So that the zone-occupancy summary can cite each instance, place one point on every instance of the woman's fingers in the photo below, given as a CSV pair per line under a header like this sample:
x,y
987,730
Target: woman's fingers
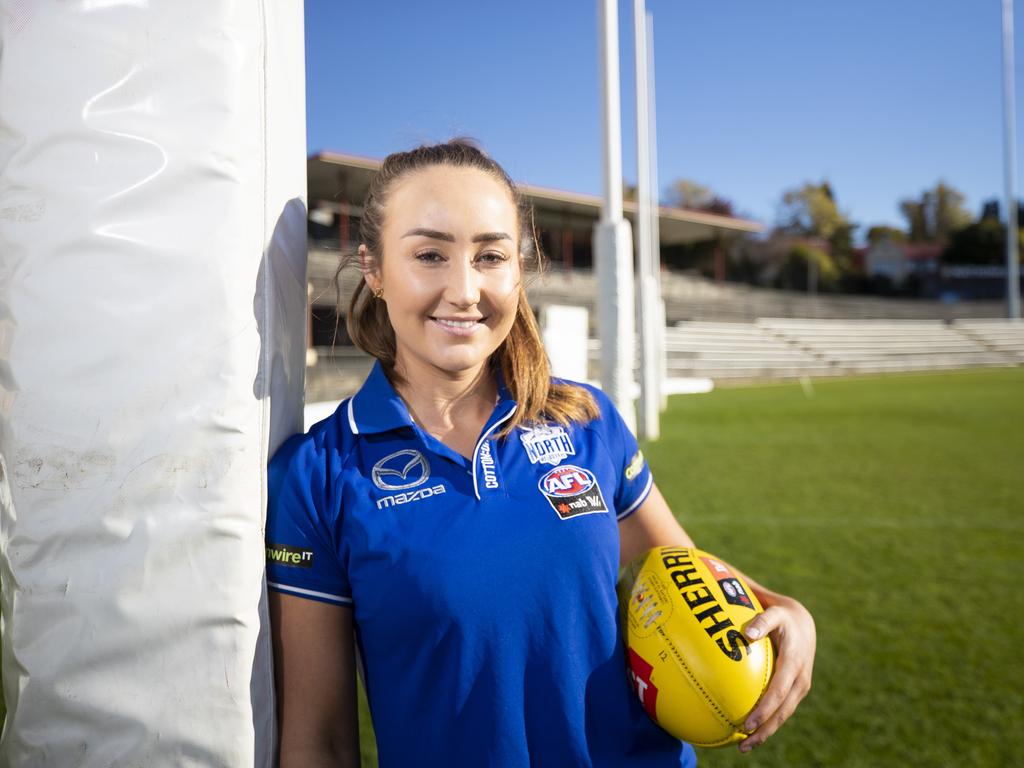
x,y
785,673
792,630
771,725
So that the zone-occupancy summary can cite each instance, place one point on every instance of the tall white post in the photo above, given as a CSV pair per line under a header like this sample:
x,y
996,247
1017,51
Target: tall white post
x,y
652,111
650,404
1010,166
613,238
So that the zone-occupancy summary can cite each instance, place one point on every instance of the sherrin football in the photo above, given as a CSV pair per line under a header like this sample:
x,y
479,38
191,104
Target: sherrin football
x,y
694,670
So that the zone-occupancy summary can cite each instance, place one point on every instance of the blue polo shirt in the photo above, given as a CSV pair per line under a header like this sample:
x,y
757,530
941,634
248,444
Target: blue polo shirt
x,y
482,588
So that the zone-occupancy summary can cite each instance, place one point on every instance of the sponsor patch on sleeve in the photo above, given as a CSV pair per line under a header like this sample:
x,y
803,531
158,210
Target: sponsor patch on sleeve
x,y
296,557
636,464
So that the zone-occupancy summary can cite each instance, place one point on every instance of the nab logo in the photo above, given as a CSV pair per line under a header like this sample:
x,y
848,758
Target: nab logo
x,y
567,481
401,470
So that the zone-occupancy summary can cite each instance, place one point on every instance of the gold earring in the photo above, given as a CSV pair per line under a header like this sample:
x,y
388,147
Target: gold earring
x,y
378,293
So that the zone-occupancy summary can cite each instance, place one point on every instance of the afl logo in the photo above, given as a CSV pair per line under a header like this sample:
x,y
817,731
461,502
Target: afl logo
x,y
401,470
567,480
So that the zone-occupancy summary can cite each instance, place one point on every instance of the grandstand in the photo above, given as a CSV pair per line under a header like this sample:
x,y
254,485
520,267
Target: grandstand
x,y
772,348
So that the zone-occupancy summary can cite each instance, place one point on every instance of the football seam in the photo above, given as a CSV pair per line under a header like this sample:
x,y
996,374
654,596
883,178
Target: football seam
x,y
696,684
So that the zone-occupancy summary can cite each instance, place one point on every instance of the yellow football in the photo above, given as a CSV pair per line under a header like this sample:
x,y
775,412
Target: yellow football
x,y
694,670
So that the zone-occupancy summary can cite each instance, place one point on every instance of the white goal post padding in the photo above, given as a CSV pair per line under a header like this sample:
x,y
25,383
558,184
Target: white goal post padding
x,y
152,309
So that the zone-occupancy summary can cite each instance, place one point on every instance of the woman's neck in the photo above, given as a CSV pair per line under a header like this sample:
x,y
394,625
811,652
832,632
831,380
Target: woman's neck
x,y
453,408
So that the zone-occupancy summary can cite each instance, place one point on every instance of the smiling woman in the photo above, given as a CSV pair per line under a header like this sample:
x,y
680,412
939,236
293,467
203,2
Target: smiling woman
x,y
462,518
458,236
452,285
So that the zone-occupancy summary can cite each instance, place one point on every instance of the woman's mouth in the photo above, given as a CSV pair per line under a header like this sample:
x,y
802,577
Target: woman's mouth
x,y
458,326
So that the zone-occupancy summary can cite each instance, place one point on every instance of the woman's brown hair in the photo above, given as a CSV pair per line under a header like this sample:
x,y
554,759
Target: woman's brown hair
x,y
520,358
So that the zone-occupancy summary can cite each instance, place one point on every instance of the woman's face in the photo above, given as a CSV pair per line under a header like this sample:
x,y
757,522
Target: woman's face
x,y
450,269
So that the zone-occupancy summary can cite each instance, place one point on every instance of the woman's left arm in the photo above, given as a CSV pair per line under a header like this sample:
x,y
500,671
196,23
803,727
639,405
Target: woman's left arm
x,y
785,620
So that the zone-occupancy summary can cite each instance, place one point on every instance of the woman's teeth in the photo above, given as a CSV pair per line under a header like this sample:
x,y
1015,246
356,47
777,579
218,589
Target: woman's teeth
x,y
457,323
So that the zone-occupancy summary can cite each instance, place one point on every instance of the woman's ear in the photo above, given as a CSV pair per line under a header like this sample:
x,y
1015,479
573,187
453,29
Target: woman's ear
x,y
368,266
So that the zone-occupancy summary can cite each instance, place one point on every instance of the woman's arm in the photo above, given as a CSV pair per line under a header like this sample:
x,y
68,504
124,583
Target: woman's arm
x,y
785,620
314,669
651,525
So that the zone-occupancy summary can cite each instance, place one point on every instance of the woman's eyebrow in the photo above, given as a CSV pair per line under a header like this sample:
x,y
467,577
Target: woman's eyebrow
x,y
434,234
488,237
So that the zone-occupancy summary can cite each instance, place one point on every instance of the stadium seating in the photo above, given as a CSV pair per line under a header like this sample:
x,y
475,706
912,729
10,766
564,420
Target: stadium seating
x,y
786,347
998,335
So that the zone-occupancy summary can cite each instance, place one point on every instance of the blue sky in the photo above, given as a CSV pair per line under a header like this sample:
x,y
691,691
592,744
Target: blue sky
x,y
881,97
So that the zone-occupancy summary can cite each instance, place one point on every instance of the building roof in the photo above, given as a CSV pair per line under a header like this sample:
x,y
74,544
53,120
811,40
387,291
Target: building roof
x,y
336,179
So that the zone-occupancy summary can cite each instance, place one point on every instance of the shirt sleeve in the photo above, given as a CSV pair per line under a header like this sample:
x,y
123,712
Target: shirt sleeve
x,y
302,556
634,481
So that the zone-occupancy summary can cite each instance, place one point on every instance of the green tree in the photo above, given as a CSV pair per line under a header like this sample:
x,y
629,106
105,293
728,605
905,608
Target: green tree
x,y
811,211
983,242
807,267
935,215
687,194
684,193
880,233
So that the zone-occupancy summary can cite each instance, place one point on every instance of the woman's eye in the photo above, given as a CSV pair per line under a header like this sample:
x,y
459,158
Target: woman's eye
x,y
492,257
429,257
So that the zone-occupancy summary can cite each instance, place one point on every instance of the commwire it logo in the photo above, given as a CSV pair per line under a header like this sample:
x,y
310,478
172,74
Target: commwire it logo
x,y
401,470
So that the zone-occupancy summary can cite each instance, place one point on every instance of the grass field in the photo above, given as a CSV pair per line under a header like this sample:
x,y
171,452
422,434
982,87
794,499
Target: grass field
x,y
894,509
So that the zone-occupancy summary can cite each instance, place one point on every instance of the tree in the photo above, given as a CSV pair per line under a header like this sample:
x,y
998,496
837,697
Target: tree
x,y
936,215
807,267
880,233
990,210
684,193
983,242
811,211
689,195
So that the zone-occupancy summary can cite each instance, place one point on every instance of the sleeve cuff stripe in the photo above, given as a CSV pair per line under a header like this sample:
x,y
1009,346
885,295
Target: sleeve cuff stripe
x,y
310,592
640,499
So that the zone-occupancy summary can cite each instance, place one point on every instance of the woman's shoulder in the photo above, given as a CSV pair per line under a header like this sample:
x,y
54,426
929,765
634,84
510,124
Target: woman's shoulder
x,y
602,400
326,442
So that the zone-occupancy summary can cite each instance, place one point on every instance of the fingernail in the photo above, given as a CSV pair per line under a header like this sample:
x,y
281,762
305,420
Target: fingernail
x,y
753,632
750,726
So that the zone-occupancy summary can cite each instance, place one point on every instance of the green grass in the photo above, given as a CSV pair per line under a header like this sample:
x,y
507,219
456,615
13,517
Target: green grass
x,y
894,509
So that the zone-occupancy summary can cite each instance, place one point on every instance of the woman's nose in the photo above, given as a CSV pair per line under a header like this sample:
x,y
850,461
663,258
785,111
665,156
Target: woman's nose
x,y
463,289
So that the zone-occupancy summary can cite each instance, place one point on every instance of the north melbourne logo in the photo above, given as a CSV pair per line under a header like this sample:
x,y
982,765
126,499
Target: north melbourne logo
x,y
547,444
401,470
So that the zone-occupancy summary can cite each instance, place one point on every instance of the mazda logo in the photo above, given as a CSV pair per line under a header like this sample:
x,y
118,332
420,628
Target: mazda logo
x,y
401,470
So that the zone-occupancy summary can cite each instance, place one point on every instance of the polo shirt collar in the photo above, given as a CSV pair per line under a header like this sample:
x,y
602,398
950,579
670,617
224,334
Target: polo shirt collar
x,y
376,407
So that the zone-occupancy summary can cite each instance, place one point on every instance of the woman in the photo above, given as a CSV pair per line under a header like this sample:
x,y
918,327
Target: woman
x,y
460,521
